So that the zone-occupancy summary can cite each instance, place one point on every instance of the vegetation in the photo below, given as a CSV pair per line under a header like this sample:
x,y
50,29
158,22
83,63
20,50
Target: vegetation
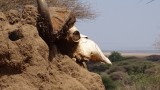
x,y
130,73
80,9
108,82
115,56
154,58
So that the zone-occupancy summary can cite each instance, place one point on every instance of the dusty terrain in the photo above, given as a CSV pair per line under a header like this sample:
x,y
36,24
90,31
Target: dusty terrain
x,y
24,63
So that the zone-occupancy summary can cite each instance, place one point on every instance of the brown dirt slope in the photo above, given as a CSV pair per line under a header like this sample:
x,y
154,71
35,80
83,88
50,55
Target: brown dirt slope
x,y
24,63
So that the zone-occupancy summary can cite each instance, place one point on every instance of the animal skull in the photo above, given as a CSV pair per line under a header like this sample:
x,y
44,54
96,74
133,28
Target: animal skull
x,y
87,49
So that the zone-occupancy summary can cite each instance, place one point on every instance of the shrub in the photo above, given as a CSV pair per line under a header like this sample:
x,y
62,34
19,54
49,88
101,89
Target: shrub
x,y
154,58
115,56
122,77
145,82
130,57
97,67
108,83
117,76
138,67
153,71
115,69
123,63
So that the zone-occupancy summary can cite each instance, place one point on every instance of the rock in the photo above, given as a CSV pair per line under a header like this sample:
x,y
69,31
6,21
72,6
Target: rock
x,y
24,61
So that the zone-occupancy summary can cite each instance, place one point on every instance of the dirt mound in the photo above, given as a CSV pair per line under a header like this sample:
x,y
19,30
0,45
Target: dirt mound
x,y
24,60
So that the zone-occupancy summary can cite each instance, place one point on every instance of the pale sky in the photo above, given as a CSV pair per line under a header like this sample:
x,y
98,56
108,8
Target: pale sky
x,y
123,24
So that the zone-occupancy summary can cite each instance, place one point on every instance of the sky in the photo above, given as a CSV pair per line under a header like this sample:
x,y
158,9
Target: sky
x,y
123,24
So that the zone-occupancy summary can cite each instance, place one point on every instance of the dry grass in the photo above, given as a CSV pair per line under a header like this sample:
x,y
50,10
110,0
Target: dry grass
x,y
82,10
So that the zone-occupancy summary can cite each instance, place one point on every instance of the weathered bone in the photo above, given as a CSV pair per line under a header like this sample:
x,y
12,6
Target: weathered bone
x,y
88,50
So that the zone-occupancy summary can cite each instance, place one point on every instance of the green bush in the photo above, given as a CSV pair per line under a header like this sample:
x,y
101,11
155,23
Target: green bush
x,y
115,69
121,77
117,75
108,83
138,67
123,63
145,82
153,71
130,57
115,56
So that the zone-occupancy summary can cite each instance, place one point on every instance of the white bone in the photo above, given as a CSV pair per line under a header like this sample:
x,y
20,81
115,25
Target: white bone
x,y
89,50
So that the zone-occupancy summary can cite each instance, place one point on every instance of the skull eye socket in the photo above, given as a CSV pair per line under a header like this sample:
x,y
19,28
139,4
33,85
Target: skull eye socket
x,y
76,36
